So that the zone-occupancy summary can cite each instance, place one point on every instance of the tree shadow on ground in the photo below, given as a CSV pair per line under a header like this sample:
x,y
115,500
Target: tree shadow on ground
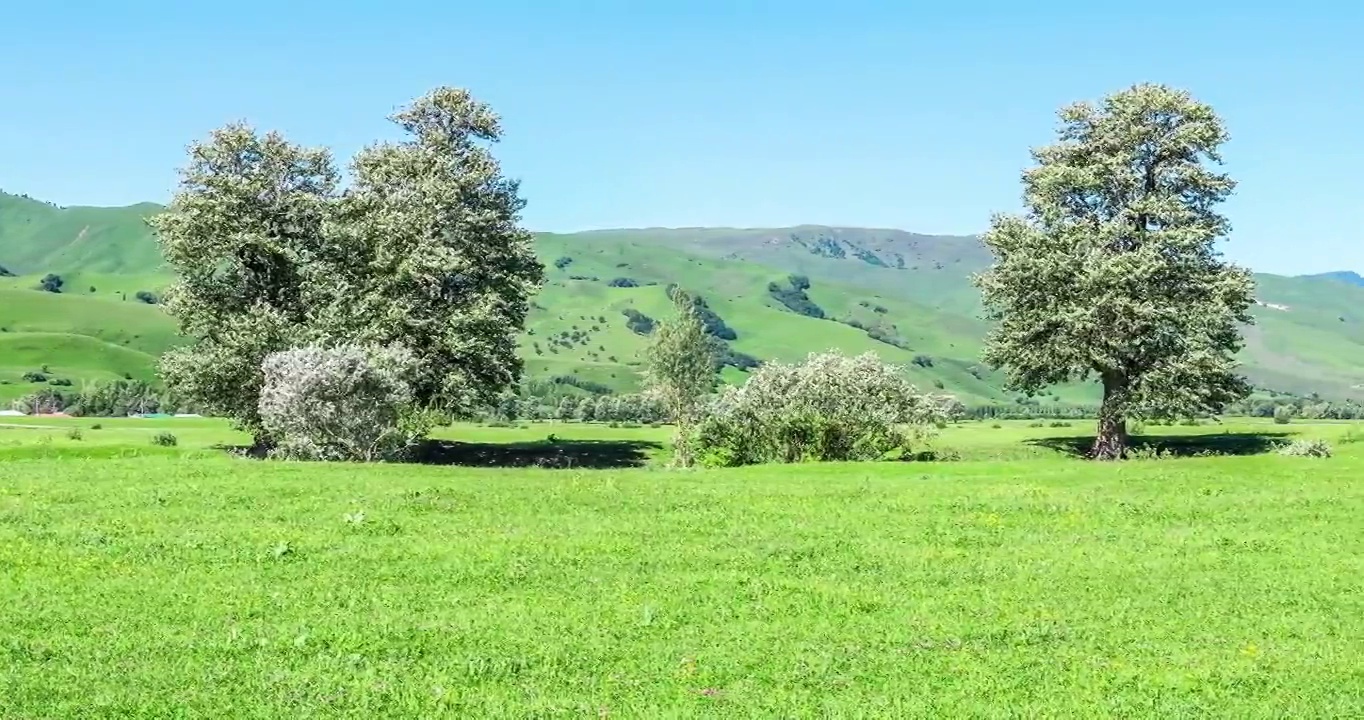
x,y
562,454
1175,445
558,454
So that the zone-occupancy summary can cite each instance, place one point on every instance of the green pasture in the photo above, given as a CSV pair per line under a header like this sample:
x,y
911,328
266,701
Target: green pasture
x,y
144,581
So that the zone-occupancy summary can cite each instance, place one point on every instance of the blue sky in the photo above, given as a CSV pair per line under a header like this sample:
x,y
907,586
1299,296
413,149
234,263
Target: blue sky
x,y
742,113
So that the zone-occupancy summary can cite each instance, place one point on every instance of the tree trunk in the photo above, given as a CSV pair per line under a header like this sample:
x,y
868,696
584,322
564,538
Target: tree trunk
x,y
1111,441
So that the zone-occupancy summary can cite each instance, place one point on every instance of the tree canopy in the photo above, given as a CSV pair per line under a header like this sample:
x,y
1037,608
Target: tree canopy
x,y
1113,272
422,251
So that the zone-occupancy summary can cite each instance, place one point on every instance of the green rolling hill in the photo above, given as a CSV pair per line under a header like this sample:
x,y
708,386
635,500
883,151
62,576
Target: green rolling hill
x,y
903,295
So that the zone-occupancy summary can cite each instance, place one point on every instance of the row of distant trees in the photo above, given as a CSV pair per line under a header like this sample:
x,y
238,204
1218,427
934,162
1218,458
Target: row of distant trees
x,y
343,323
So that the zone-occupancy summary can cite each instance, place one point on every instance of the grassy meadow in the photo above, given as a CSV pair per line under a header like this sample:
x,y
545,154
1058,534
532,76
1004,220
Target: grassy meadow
x,y
512,576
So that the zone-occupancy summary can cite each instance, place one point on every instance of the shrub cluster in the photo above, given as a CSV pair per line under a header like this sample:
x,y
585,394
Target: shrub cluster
x,y
1307,448
830,407
342,403
638,322
792,295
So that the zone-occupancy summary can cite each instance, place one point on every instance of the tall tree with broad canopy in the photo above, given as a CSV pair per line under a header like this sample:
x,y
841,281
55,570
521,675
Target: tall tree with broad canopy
x,y
1113,272
242,234
430,254
423,251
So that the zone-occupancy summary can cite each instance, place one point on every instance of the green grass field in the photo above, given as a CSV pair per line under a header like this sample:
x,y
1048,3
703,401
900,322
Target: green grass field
x,y
144,582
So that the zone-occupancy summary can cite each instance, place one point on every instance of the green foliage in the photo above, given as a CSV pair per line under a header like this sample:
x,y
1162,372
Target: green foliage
x,y
165,438
94,337
46,401
51,283
623,282
1283,415
595,388
830,407
1114,271
341,403
421,251
1315,448
710,320
638,322
792,295
681,370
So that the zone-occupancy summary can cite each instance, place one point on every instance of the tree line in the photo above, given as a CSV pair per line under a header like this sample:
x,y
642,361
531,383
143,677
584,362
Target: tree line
x,y
336,322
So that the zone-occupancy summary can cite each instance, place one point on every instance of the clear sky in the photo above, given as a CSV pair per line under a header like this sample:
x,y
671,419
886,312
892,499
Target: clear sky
x,y
625,113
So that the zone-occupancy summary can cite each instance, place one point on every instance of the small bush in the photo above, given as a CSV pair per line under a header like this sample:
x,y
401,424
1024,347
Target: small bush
x,y
1351,436
1036,424
638,322
830,407
97,426
165,439
996,426
1307,448
74,434
1151,452
1058,424
344,403
1283,415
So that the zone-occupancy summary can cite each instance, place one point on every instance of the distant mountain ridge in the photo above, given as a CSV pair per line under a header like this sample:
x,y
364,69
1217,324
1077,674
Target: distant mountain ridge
x,y
1345,276
904,295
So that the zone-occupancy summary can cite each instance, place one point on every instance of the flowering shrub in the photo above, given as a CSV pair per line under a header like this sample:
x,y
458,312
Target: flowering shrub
x,y
830,407
1307,448
343,403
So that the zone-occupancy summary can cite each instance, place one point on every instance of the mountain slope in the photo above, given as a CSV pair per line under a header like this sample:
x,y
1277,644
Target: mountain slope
x,y
1346,276
39,238
903,295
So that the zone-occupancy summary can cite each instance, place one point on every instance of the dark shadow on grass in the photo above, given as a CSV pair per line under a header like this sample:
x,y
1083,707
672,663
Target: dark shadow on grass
x,y
560,454
1175,445
565,454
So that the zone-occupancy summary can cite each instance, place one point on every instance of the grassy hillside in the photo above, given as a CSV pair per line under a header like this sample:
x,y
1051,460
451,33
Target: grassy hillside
x,y
76,338
39,238
905,296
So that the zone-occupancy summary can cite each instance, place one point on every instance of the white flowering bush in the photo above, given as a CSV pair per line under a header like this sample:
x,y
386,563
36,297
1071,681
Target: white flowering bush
x,y
830,407
343,403
1307,448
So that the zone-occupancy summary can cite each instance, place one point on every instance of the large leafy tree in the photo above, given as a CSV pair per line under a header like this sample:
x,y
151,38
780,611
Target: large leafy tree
x,y
422,251
1113,272
430,254
241,234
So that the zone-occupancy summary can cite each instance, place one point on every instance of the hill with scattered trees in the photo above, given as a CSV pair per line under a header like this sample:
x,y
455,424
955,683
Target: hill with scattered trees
x,y
906,296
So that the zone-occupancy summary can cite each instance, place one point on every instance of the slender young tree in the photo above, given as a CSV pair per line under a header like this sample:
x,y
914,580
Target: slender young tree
x,y
681,371
1113,272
